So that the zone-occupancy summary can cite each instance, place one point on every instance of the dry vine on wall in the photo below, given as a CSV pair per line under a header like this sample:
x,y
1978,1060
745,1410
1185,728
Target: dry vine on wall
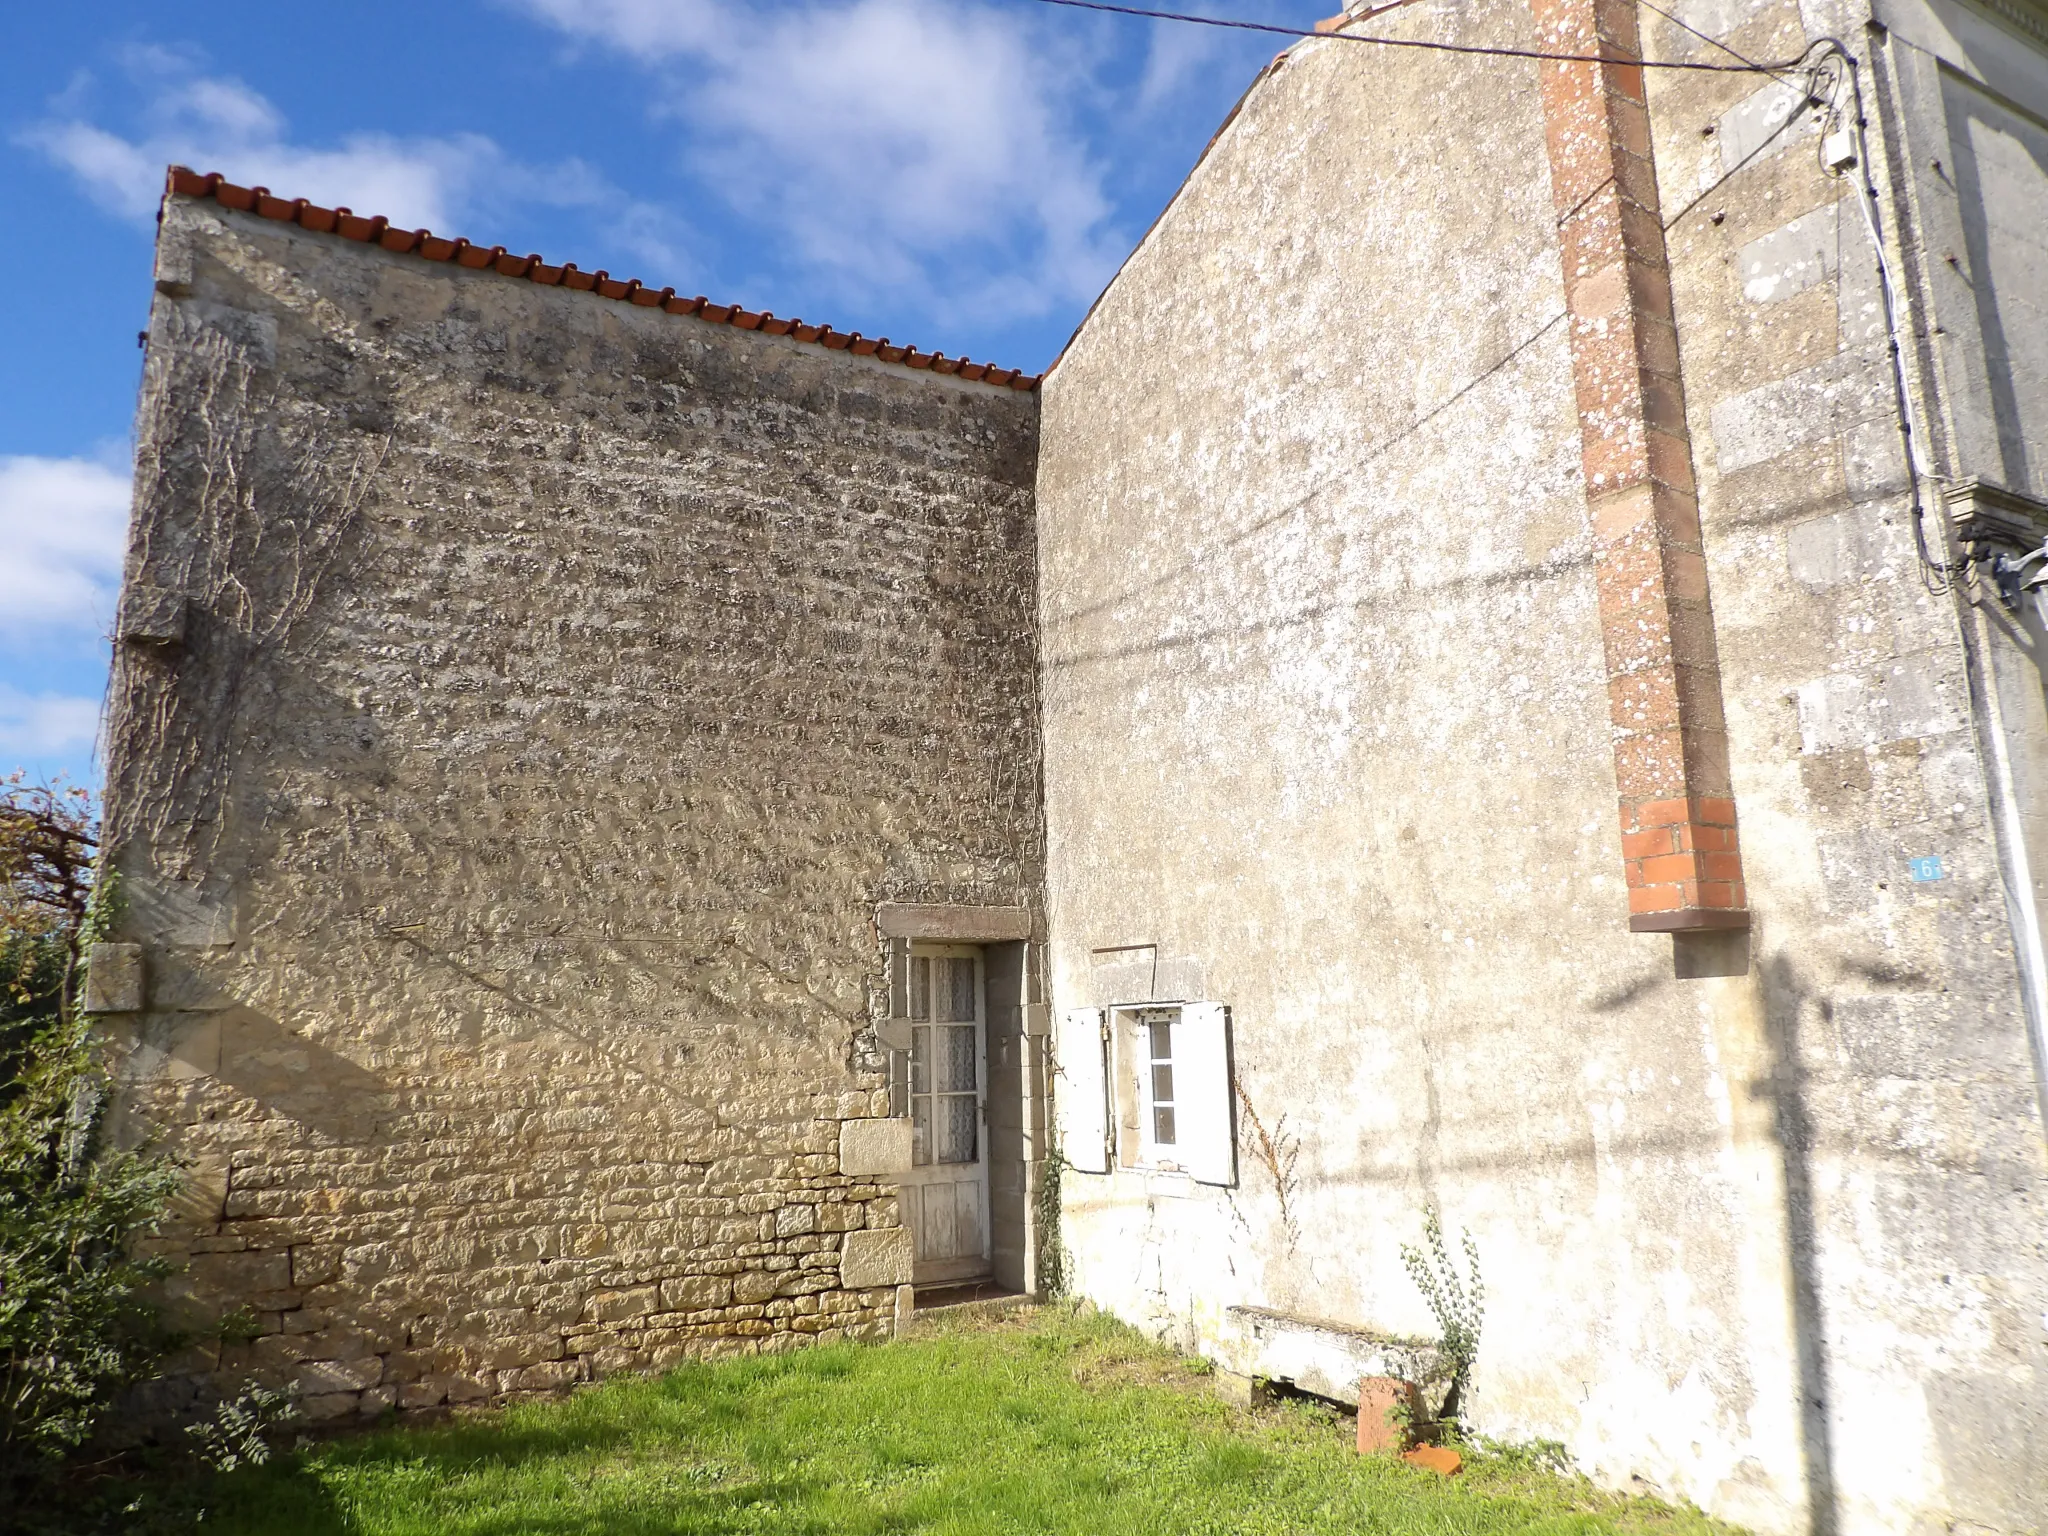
x,y
246,501
1277,1152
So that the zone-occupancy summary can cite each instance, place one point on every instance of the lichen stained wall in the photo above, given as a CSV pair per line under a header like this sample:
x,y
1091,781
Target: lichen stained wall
x,y
1902,1093
1326,722
1326,719
562,684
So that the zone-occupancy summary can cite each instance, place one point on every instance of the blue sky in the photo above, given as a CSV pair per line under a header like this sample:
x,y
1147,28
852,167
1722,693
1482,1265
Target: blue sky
x,y
963,174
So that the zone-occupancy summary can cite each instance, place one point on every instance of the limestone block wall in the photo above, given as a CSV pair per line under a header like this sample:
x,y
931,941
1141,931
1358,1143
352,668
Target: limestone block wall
x,y
1888,964
1328,727
523,702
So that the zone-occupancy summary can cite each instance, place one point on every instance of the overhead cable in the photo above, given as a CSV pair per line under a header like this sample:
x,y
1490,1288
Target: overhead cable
x,y
1828,46
1677,21
1422,43
1936,574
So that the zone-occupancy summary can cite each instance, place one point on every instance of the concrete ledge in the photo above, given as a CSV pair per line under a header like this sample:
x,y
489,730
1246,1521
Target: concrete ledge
x,y
872,1261
953,925
1316,1355
1683,919
1985,513
874,1146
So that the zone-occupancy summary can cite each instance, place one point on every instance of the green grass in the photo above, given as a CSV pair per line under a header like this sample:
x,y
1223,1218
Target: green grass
x,y
1049,1422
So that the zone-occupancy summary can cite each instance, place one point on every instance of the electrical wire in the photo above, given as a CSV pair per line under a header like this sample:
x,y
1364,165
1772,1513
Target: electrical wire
x,y
1763,144
1426,45
1937,575
1761,69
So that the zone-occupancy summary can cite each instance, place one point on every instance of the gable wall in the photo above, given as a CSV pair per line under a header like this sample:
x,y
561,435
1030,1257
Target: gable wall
x,y
1326,722
564,683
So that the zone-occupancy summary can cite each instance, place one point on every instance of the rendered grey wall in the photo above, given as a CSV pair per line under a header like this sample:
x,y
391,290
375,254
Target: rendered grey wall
x,y
564,684
1973,95
1902,1094
1325,722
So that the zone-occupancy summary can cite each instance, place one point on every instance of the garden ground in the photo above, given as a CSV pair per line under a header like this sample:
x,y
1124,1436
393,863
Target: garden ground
x,y
1047,1420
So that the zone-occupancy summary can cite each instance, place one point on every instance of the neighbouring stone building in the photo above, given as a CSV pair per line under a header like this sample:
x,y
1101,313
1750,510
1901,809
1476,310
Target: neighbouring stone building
x,y
1499,672
526,696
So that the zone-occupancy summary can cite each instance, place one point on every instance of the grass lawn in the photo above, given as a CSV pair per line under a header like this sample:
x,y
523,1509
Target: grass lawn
x,y
1042,1422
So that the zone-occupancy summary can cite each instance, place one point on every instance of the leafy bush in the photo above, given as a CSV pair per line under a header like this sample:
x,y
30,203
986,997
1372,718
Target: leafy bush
x,y
238,1433
75,1324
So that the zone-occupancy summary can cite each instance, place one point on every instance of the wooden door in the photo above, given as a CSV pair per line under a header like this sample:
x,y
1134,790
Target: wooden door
x,y
945,1193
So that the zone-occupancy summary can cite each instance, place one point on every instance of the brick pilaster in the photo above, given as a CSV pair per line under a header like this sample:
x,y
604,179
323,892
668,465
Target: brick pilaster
x,y
1663,675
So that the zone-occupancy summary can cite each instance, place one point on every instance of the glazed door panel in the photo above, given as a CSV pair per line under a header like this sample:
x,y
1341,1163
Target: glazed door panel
x,y
945,1193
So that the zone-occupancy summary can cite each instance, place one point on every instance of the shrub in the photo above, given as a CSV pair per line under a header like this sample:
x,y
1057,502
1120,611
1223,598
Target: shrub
x,y
76,1326
238,1434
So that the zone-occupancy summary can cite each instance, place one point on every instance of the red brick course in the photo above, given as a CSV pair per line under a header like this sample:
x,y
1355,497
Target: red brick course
x,y
1679,843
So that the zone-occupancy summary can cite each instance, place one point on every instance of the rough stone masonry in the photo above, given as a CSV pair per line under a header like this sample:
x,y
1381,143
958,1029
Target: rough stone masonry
x,y
522,703
547,709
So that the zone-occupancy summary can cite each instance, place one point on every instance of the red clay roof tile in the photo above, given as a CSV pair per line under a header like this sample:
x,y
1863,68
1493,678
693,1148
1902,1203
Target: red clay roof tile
x,y
379,231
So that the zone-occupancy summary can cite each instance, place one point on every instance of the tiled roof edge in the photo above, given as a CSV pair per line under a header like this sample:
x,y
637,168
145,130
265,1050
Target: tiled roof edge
x,y
419,242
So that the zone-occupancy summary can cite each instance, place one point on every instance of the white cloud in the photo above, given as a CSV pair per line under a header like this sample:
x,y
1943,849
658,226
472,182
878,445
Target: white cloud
x,y
184,116
926,145
972,160
46,725
1176,60
656,28
62,523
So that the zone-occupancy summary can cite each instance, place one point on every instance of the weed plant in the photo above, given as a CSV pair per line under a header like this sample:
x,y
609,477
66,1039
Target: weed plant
x,y
1459,1303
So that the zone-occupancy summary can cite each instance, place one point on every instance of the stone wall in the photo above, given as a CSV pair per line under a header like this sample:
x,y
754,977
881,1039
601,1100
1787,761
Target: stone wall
x,y
524,701
1904,1099
1327,723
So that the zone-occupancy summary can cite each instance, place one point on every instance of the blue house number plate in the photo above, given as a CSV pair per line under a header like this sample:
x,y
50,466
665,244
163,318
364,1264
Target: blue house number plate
x,y
1928,868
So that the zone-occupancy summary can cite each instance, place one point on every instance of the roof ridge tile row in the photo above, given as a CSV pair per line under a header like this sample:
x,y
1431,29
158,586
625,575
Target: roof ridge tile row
x,y
381,232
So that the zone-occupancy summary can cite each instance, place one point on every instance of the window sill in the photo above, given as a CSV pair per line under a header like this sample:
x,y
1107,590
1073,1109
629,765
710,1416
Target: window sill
x,y
1160,1183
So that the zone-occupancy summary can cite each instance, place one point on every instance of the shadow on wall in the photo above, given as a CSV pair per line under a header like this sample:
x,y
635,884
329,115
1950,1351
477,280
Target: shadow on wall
x,y
287,1074
2001,185
297,1078
1786,998
1700,956
1791,1006
1977,1416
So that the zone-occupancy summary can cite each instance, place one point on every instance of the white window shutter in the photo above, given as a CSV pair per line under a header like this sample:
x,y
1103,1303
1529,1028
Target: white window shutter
x,y
1081,1097
1203,1098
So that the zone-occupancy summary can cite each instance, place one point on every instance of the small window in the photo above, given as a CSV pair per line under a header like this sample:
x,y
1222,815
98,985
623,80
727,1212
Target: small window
x,y
1148,1099
1171,1098
1160,1034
